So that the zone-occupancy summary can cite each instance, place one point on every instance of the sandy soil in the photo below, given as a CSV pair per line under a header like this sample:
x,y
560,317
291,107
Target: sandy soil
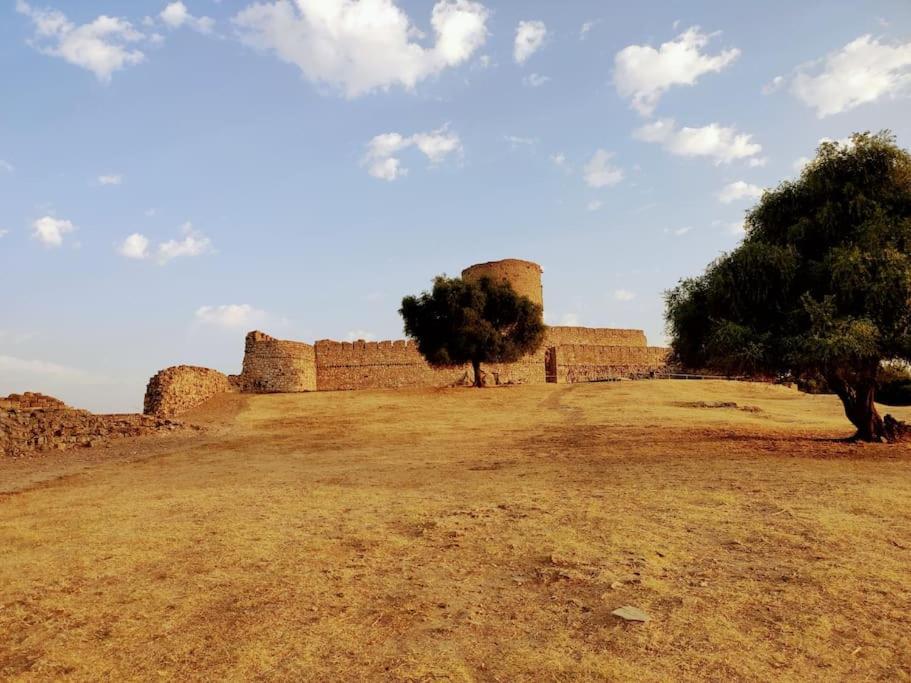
x,y
468,535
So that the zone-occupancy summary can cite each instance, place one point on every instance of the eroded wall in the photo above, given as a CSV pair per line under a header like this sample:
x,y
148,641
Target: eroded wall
x,y
177,389
275,365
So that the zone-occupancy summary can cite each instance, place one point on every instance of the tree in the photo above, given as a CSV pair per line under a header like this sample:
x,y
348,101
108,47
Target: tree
x,y
462,322
820,285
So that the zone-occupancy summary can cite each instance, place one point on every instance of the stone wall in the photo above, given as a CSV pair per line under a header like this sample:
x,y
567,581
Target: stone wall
x,y
395,364
32,423
588,363
377,365
31,399
177,389
558,335
275,365
524,276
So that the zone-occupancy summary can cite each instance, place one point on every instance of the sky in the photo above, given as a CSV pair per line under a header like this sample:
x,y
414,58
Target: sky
x,y
175,174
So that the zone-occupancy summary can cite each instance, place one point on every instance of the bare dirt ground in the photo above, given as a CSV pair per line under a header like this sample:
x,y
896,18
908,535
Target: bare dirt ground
x,y
468,535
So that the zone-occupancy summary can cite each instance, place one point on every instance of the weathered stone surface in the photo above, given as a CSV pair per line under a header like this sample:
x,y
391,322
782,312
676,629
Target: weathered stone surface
x,y
177,389
275,365
524,276
31,423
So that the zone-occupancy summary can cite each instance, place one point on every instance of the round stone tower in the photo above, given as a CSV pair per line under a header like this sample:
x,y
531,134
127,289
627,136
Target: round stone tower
x,y
524,276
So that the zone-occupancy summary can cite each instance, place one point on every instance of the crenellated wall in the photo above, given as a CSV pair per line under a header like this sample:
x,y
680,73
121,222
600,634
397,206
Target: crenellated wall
x,y
594,336
274,365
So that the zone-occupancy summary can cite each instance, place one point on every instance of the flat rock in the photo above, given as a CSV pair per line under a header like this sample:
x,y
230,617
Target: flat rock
x,y
629,613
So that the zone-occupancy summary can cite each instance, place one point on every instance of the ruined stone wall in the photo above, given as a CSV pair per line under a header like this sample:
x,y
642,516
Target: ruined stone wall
x,y
32,423
394,364
587,363
524,276
275,365
177,389
558,335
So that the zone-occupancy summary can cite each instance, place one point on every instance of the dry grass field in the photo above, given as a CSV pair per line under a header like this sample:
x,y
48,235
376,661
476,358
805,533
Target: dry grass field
x,y
466,534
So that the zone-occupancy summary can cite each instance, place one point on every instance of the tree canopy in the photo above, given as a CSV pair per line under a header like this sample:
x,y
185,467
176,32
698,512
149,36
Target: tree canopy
x,y
460,322
820,285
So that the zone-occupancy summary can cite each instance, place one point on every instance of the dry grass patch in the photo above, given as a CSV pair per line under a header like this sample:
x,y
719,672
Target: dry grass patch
x,y
471,535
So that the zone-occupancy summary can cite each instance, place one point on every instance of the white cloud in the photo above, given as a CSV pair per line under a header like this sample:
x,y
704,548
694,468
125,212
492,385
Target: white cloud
x,y
773,85
230,316
737,190
736,228
381,160
800,163
535,80
193,244
594,205
176,15
6,166
559,159
721,144
359,47
863,71
516,141
757,162
679,232
570,320
22,366
624,295
50,231
3,232
135,246
643,73
598,172
530,37
100,46
360,335
586,27
112,179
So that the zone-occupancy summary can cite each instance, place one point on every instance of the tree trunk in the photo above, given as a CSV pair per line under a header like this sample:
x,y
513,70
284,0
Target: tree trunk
x,y
476,366
858,401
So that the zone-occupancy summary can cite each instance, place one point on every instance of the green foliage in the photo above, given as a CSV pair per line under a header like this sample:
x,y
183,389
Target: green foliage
x,y
461,322
820,285
822,280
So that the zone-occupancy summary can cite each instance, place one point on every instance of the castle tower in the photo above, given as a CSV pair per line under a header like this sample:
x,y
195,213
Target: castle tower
x,y
524,276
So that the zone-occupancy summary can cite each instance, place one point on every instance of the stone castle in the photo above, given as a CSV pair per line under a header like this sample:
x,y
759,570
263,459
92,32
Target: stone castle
x,y
568,354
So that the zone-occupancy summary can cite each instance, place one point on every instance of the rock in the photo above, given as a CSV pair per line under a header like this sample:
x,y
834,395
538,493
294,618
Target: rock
x,y
629,613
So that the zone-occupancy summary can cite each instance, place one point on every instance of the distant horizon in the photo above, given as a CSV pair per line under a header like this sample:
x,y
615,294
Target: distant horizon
x,y
176,174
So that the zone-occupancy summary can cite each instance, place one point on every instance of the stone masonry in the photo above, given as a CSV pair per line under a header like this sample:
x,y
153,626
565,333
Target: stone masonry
x,y
568,354
32,423
177,389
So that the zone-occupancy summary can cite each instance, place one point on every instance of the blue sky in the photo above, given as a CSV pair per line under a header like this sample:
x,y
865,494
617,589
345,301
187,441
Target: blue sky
x,y
175,174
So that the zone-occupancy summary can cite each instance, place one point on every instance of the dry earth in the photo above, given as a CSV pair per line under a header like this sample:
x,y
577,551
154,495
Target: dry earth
x,y
468,534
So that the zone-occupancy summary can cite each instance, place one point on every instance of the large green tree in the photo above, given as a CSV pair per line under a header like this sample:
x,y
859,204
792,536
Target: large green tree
x,y
820,285
460,322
